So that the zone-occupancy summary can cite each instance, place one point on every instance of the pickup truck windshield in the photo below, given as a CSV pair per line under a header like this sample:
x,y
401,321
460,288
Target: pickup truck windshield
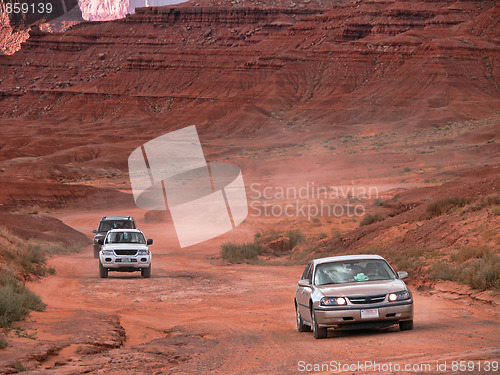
x,y
125,237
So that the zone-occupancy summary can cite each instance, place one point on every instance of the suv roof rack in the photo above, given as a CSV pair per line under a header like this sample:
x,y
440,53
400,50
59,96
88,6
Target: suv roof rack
x,y
117,218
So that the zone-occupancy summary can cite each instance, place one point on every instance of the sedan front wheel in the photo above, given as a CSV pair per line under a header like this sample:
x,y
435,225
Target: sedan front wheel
x,y
318,332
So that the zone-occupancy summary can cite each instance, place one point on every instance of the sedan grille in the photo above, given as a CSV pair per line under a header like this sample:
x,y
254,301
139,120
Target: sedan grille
x,y
367,299
125,252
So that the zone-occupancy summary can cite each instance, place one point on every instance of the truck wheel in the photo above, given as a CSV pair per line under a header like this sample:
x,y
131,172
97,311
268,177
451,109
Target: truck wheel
x,y
103,272
146,272
96,252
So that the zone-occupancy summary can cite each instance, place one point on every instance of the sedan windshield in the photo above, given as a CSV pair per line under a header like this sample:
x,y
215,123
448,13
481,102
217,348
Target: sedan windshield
x,y
353,271
125,237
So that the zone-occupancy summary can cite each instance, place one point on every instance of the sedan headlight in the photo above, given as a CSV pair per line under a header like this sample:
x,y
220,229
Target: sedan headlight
x,y
107,252
332,301
143,252
399,296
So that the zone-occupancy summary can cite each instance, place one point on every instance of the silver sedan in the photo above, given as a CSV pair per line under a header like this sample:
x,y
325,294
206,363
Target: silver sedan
x,y
352,292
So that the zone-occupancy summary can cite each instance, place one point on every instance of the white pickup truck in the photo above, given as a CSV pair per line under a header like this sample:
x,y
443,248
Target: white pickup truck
x,y
125,250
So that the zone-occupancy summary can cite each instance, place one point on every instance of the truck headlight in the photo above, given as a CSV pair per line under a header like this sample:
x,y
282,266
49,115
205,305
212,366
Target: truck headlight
x,y
107,252
143,252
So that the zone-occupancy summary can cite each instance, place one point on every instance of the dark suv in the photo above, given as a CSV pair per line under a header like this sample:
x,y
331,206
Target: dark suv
x,y
106,224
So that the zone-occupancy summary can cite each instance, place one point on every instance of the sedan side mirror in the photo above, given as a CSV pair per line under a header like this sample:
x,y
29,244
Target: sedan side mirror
x,y
403,275
94,231
100,241
304,283
150,241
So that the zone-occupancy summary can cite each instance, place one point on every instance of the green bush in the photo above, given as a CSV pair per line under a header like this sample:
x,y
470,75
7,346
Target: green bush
x,y
371,218
238,253
442,206
3,342
267,235
296,237
442,271
482,273
22,258
51,248
249,252
490,200
477,267
16,301
19,366
471,252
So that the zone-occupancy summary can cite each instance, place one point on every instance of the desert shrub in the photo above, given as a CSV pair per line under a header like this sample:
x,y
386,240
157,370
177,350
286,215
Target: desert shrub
x,y
3,342
16,301
371,218
475,267
22,258
267,235
238,253
378,202
51,248
442,271
336,233
442,206
19,366
482,273
29,256
496,210
490,200
470,252
316,221
296,237
249,251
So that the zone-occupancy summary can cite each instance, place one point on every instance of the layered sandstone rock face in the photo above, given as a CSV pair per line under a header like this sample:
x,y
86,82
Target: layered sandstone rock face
x,y
395,59
273,74
69,15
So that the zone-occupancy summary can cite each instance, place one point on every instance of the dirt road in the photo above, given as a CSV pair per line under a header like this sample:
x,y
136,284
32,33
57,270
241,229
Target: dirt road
x,y
197,314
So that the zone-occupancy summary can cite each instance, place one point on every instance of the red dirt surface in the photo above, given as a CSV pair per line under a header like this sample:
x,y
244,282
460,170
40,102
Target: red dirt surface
x,y
198,314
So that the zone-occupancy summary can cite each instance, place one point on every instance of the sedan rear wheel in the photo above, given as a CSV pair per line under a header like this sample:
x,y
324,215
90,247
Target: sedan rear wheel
x,y
301,326
318,332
